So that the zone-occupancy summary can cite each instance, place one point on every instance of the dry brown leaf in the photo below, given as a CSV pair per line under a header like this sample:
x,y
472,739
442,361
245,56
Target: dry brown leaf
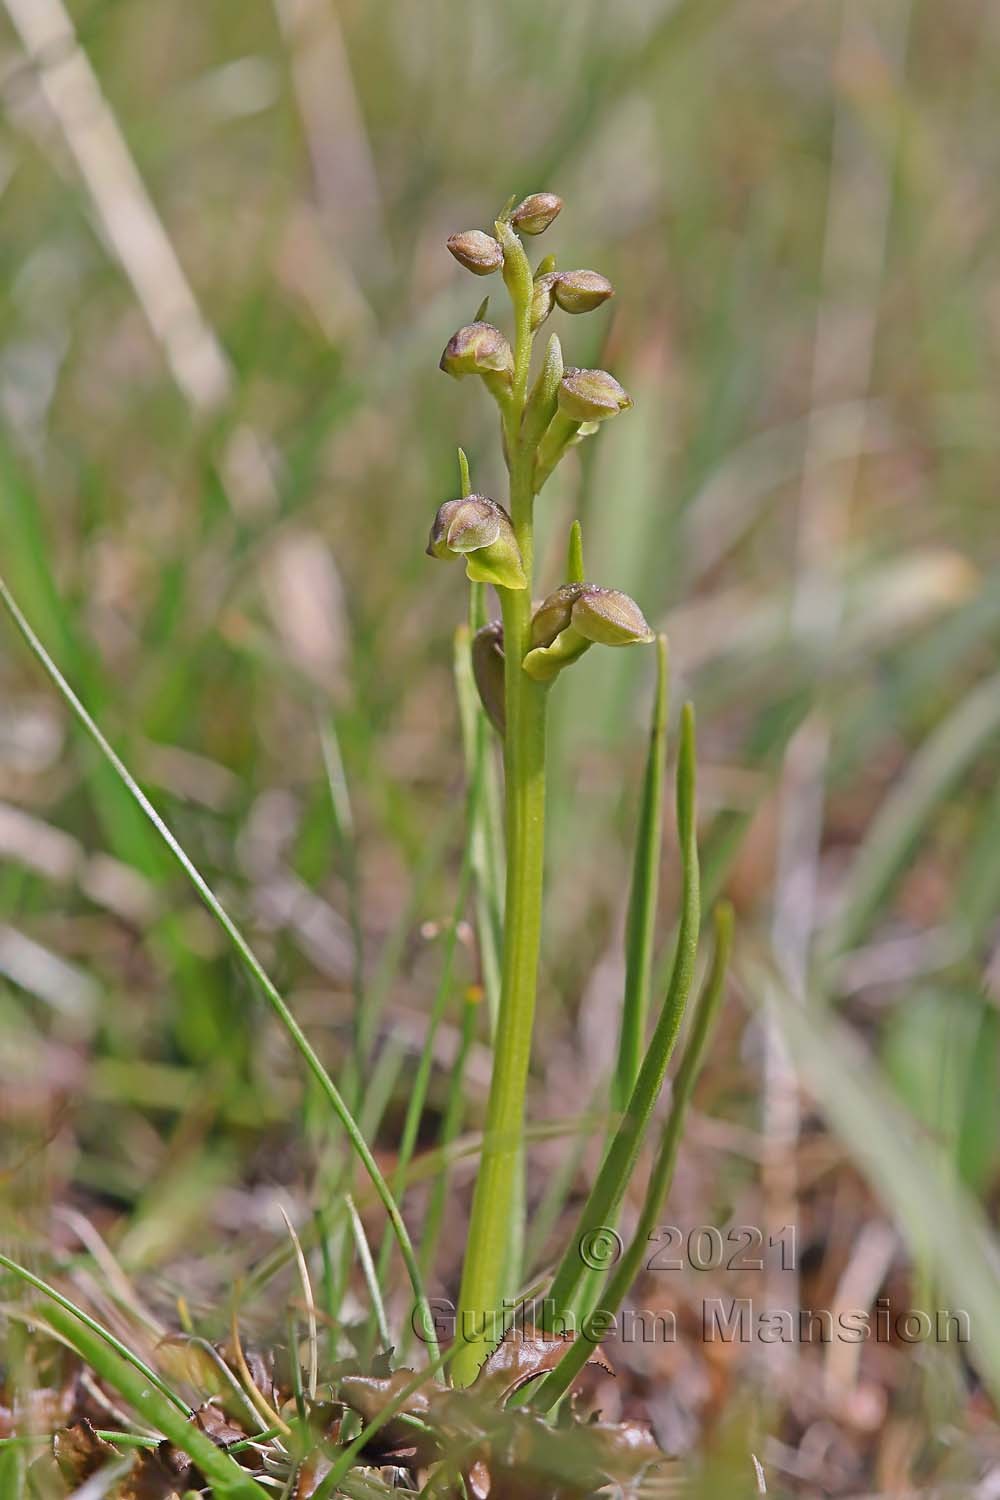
x,y
79,1452
522,1356
159,1474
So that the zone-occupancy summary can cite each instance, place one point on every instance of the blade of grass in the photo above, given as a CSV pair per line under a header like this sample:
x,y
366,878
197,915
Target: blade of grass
x,y
127,1376
418,1091
620,1159
912,1175
558,1381
450,1125
369,1272
929,776
641,922
243,950
95,1328
307,1294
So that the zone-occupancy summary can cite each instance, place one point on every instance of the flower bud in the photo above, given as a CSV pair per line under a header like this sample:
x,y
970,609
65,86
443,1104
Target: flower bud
x,y
591,395
610,618
476,251
536,212
554,614
488,672
479,349
575,617
479,529
542,297
582,291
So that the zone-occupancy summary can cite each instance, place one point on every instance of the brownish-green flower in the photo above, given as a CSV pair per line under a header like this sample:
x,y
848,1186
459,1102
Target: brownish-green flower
x,y
591,395
577,616
582,291
479,529
478,349
476,251
536,212
543,297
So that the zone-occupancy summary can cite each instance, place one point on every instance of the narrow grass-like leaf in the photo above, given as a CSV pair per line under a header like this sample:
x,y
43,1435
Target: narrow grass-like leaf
x,y
619,1162
558,1381
418,1091
450,1126
641,922
244,951
369,1273
911,1174
307,1295
228,1480
343,828
931,773
23,1274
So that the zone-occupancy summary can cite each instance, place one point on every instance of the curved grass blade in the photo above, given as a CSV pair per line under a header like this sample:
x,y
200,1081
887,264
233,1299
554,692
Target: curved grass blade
x,y
641,922
558,1381
130,1379
369,1272
245,953
619,1162
23,1274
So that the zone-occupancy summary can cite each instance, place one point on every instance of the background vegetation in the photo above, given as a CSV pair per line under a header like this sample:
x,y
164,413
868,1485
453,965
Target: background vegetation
x,y
217,474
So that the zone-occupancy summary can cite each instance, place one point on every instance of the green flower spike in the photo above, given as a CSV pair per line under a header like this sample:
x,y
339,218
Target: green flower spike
x,y
535,213
479,529
577,616
476,251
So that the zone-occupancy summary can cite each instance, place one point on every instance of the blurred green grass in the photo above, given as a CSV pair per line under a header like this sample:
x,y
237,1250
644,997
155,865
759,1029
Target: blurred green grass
x,y
727,165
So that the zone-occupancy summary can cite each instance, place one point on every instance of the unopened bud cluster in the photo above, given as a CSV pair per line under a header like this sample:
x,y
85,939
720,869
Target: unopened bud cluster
x,y
564,405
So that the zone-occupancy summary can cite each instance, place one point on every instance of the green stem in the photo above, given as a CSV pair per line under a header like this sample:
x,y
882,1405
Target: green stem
x,y
494,1200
